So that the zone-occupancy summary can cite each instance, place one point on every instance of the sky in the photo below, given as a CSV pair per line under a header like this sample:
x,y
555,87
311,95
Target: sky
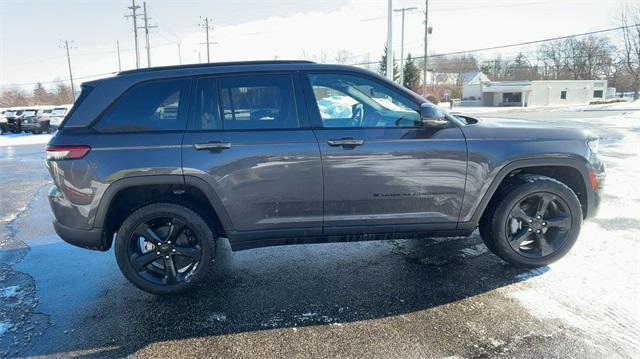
x,y
31,31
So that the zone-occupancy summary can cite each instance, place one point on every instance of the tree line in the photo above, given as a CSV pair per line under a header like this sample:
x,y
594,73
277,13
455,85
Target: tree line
x,y
60,94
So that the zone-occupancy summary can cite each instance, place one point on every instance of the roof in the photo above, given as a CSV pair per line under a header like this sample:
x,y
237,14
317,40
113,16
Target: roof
x,y
468,77
214,65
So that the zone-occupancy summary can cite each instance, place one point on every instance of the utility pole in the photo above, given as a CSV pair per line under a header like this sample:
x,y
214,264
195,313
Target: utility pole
x,y
390,40
66,46
179,55
146,28
119,63
207,27
133,15
426,35
403,10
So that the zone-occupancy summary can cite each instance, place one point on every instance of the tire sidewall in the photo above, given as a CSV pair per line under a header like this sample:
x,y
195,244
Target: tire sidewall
x,y
195,223
501,239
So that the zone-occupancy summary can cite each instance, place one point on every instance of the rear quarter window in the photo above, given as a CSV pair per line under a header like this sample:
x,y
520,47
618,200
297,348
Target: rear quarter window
x,y
150,106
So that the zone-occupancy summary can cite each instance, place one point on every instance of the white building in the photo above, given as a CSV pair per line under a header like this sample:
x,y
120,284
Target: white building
x,y
538,93
471,85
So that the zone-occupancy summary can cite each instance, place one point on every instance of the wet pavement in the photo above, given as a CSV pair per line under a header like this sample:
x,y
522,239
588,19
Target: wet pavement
x,y
402,298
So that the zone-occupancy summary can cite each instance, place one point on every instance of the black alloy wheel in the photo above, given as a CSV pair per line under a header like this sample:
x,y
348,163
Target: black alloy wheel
x,y
538,225
164,248
533,221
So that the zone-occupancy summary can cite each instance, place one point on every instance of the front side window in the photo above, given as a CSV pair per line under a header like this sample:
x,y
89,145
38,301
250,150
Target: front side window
x,y
354,101
257,102
150,106
597,93
563,95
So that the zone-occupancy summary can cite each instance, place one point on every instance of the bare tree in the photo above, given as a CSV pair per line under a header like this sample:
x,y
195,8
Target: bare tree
x,y
14,97
343,56
630,19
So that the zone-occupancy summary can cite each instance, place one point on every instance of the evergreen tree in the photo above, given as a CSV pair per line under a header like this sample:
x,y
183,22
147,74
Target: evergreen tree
x,y
40,95
382,66
411,75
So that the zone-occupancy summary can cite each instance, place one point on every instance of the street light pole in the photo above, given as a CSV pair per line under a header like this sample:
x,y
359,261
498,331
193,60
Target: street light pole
x,y
390,41
403,10
426,34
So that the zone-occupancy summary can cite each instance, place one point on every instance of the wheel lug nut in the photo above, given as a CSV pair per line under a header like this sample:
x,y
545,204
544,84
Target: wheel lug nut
x,y
530,230
531,221
173,250
544,223
166,257
538,217
538,231
169,242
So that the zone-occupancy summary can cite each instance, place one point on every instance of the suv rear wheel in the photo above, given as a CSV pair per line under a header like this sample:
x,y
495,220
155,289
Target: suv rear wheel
x,y
164,248
535,222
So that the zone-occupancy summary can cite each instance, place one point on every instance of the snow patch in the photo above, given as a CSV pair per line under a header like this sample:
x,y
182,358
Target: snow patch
x,y
23,139
475,251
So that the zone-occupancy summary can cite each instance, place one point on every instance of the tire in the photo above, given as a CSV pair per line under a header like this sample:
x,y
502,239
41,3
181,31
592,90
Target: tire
x,y
512,230
162,275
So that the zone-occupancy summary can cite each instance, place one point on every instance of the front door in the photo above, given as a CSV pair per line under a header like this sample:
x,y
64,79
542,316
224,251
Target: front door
x,y
381,167
247,139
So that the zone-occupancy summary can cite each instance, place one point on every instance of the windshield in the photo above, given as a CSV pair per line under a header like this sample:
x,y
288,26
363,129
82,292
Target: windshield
x,y
10,113
29,113
58,111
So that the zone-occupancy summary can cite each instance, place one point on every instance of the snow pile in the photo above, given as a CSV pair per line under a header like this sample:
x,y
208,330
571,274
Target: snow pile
x,y
22,139
597,285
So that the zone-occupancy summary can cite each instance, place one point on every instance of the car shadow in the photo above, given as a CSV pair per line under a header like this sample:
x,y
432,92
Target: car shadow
x,y
261,289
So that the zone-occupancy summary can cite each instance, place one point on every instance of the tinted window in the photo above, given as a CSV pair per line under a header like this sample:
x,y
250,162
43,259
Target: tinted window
x,y
257,102
354,101
563,95
597,93
206,115
151,106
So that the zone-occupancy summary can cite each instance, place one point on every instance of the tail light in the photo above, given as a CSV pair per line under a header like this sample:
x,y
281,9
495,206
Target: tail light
x,y
56,153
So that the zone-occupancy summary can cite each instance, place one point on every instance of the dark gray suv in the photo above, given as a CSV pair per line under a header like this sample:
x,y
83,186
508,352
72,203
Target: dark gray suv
x,y
164,161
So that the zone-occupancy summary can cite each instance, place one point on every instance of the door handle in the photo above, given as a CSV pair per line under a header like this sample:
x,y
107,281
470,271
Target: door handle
x,y
345,142
214,145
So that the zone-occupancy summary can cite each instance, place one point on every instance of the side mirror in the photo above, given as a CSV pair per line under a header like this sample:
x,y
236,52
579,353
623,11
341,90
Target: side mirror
x,y
431,116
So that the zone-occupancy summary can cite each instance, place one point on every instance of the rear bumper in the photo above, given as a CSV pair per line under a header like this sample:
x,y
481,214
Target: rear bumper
x,y
90,239
74,231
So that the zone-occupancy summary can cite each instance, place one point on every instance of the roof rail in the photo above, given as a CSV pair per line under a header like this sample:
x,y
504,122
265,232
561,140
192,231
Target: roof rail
x,y
215,64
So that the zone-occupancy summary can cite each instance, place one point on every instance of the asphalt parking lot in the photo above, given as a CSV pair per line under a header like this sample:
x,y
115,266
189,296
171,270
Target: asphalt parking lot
x,y
401,298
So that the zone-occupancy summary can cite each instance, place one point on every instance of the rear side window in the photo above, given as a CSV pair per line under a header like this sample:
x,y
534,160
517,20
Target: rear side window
x,y
258,102
150,106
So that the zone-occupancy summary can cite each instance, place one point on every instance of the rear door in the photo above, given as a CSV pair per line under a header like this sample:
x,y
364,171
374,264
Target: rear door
x,y
381,167
250,141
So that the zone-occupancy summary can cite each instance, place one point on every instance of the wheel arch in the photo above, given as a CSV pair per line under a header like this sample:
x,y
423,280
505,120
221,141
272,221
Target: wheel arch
x,y
576,179
186,190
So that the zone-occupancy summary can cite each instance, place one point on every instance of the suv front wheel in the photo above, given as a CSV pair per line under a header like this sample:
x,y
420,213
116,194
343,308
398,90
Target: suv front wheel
x,y
164,248
534,222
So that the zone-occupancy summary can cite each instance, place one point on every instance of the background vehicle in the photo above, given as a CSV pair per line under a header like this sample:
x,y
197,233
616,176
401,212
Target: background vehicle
x,y
12,120
36,119
57,116
283,152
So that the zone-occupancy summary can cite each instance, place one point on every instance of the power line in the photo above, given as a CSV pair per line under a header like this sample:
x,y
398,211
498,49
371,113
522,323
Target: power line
x,y
66,46
207,27
520,43
146,28
134,16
